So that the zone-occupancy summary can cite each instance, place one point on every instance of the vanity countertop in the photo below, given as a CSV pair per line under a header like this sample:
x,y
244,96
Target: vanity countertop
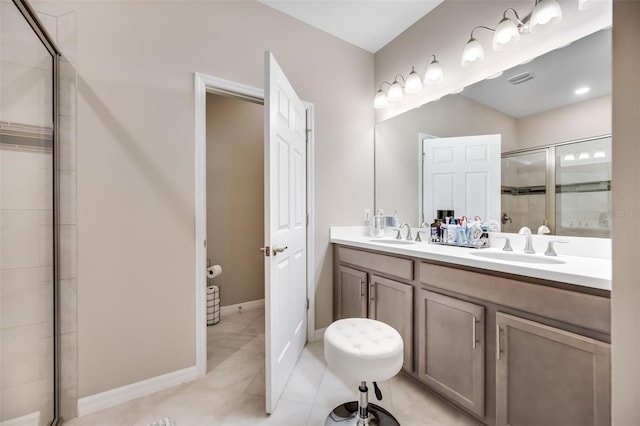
x,y
579,270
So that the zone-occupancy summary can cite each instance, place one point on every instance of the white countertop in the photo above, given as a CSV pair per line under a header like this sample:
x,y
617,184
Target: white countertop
x,y
580,270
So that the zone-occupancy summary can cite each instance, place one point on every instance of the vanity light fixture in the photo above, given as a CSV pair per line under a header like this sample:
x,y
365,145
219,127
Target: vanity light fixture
x,y
413,83
381,100
508,31
395,91
434,74
473,51
546,13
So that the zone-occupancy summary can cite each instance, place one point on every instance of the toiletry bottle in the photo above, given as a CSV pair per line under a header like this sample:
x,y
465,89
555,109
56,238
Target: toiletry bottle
x,y
434,232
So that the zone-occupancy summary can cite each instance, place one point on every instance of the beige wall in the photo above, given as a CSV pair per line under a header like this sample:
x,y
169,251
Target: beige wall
x,y
625,327
578,121
136,64
235,197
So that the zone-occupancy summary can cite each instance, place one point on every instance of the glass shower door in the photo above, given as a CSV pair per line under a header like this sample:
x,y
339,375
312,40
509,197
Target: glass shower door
x,y
27,277
524,189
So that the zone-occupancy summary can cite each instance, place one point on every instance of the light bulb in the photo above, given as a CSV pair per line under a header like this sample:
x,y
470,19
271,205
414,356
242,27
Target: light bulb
x,y
473,52
380,100
395,92
569,157
546,13
413,83
583,156
599,154
581,90
506,35
434,73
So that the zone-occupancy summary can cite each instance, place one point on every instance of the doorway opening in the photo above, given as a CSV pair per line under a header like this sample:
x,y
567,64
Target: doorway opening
x,y
206,86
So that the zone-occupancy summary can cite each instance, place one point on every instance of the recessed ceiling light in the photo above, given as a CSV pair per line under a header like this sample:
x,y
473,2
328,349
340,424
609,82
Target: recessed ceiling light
x,y
581,90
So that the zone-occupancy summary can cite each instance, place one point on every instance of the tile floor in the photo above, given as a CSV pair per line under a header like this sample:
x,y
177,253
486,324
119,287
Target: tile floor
x,y
232,392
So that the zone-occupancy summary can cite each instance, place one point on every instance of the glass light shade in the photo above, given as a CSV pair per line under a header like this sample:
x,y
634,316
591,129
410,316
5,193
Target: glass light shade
x,y
590,4
395,92
381,100
546,13
413,83
473,52
434,73
506,35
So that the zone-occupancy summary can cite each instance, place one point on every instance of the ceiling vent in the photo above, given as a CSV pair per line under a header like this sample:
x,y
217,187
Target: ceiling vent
x,y
520,78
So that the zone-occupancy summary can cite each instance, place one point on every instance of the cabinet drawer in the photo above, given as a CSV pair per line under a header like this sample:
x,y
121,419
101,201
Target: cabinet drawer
x,y
398,267
583,310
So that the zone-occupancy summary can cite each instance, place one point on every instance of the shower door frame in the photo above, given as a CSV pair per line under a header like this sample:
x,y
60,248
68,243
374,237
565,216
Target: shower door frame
x,y
34,22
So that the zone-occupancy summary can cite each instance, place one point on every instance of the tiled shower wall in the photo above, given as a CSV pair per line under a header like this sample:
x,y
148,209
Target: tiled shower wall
x,y
61,26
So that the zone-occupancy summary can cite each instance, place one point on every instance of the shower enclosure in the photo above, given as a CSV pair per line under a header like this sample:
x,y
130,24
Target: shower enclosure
x,y
28,236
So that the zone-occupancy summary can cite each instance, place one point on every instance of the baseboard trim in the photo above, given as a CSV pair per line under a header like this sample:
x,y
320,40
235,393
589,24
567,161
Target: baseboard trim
x,y
32,419
318,334
110,398
246,306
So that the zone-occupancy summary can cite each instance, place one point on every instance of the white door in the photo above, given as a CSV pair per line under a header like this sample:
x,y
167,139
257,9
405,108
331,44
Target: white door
x,y
285,230
462,174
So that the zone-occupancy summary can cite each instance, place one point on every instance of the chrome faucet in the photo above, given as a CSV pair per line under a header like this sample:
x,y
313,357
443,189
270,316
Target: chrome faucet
x,y
399,237
528,246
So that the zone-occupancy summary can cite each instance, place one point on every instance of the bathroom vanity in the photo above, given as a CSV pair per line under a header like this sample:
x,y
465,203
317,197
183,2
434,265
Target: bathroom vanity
x,y
508,342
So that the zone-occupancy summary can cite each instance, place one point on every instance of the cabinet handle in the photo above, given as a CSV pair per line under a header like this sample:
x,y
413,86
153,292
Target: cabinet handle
x,y
371,292
362,288
498,350
473,331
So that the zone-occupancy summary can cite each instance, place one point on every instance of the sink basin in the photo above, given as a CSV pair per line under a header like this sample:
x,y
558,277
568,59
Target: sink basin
x,y
518,257
393,242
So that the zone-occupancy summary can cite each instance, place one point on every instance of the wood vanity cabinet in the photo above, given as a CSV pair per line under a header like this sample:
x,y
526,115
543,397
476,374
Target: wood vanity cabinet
x,y
507,349
451,348
363,294
548,376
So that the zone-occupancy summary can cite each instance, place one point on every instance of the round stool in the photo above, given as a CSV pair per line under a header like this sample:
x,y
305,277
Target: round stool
x,y
362,350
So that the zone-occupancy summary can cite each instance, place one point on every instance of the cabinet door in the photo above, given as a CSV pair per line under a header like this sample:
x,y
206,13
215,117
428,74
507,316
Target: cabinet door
x,y
392,303
548,376
451,349
352,293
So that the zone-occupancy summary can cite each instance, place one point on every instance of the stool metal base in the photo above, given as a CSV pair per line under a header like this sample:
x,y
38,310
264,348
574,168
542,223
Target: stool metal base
x,y
347,414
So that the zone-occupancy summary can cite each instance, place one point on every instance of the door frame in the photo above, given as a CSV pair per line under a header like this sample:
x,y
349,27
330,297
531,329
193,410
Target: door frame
x,y
209,84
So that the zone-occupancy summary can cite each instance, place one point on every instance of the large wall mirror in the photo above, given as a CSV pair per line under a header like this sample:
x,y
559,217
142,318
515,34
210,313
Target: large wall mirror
x,y
553,115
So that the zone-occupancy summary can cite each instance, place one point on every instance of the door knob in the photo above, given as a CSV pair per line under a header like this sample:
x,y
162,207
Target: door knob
x,y
277,249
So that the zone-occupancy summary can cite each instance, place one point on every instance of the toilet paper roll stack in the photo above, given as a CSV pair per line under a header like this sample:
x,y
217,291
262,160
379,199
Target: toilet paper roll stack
x,y
214,271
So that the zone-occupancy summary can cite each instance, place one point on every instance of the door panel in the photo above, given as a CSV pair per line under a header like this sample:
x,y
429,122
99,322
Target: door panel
x,y
285,230
451,348
352,297
392,303
462,174
548,376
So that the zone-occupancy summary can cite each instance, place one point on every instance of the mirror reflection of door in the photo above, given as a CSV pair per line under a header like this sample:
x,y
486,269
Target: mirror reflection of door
x,y
524,199
461,174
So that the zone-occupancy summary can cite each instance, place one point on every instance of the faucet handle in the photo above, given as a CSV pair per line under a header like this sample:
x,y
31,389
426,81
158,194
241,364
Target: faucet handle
x,y
398,236
550,250
507,243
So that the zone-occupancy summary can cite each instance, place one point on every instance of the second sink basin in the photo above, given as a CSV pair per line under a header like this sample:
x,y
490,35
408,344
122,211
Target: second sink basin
x,y
518,257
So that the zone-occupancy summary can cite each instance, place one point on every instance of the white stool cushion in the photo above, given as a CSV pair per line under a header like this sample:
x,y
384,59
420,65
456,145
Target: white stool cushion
x,y
363,350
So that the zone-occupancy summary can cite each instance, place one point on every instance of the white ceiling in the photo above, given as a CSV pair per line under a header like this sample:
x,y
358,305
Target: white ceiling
x,y
585,62
369,24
